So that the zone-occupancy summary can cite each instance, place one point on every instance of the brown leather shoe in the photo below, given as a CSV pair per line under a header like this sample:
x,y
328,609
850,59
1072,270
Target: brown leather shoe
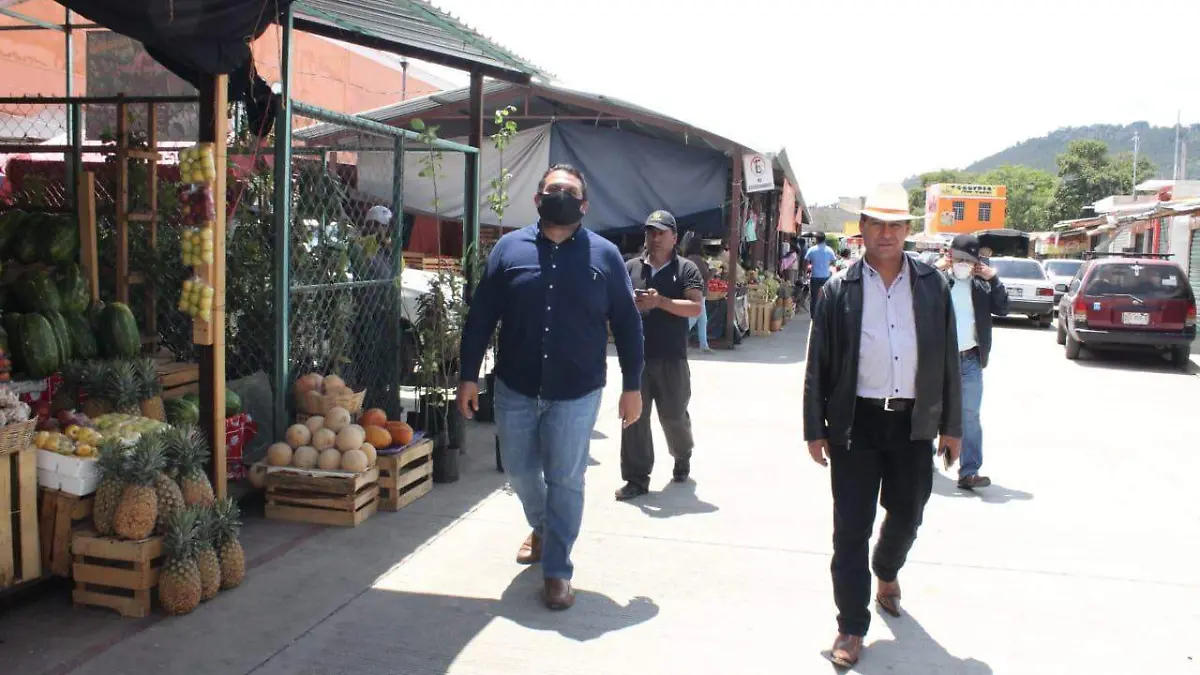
x,y
846,650
531,550
888,597
557,594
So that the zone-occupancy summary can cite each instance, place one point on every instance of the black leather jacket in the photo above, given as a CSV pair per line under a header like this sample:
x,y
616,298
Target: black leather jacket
x,y
988,298
831,378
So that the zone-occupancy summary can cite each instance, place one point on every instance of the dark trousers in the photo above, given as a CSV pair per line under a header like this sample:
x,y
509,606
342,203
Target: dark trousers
x,y
814,288
880,463
667,384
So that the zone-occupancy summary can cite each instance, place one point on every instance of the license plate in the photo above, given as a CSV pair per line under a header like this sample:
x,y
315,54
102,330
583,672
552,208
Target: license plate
x,y
1135,319
1015,292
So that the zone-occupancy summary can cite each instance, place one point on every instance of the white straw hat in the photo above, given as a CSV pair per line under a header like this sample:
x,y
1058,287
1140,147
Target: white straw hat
x,y
888,202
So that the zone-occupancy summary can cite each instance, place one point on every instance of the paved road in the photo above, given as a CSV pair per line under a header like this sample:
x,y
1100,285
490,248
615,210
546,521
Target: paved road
x,y
1080,559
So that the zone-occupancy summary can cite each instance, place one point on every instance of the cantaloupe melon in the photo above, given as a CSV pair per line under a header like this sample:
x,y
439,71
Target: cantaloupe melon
x,y
324,439
337,418
305,457
258,476
315,422
354,460
279,454
298,435
333,382
309,382
329,460
350,438
369,451
312,401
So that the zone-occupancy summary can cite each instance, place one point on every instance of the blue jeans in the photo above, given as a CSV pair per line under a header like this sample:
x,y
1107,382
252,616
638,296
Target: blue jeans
x,y
701,320
972,398
544,447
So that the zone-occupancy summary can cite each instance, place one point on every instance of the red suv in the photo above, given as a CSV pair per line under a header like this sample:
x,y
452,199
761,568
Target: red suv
x,y
1127,301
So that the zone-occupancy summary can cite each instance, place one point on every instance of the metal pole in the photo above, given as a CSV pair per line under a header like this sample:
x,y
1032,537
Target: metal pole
x,y
735,245
73,160
393,405
1135,157
283,226
471,184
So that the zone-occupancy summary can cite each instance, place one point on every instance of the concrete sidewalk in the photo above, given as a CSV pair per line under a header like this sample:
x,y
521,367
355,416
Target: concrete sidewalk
x,y
727,574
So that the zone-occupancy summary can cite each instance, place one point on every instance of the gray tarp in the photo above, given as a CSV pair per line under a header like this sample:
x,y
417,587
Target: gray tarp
x,y
526,158
630,175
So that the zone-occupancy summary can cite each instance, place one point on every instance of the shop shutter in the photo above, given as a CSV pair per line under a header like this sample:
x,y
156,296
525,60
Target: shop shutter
x,y
1194,263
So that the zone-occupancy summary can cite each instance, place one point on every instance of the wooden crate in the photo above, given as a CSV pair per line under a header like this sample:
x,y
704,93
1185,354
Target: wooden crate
x,y
406,476
114,573
322,497
20,544
760,319
178,378
63,515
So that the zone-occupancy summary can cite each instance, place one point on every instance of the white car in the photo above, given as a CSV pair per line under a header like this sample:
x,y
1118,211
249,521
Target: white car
x,y
1061,271
1030,291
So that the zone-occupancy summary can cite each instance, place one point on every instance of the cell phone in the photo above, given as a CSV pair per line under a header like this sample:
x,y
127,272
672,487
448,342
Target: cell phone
x,y
640,291
946,457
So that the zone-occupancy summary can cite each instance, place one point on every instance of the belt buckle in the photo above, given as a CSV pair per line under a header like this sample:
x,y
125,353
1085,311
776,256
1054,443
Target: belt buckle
x,y
887,405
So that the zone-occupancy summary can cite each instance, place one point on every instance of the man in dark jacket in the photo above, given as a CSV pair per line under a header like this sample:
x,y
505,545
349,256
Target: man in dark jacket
x,y
882,382
977,293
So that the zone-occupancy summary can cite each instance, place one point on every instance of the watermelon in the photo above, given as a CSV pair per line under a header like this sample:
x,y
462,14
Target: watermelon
x,y
233,403
3,340
182,412
37,292
193,397
73,289
118,333
37,347
83,342
12,323
12,327
10,227
94,311
59,243
27,239
62,335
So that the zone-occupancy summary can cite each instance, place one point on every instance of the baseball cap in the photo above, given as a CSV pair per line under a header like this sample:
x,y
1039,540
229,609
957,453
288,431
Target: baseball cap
x,y
379,214
965,247
661,220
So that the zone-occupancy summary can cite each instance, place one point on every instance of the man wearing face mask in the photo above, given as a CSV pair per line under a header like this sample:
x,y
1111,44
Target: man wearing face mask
x,y
554,288
977,293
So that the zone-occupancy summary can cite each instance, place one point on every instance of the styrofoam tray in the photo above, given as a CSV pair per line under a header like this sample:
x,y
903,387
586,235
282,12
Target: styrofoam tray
x,y
70,484
66,465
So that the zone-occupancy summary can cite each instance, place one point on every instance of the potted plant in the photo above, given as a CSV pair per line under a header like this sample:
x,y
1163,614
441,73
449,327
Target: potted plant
x,y
439,330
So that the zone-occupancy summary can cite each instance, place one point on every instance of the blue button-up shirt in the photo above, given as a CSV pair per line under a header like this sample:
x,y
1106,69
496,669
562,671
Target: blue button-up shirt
x,y
554,303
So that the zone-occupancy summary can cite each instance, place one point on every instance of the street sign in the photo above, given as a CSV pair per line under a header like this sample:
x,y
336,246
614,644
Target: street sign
x,y
759,174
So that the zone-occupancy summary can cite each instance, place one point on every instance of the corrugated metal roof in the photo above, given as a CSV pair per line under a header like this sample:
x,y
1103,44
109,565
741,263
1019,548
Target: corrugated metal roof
x,y
426,31
573,97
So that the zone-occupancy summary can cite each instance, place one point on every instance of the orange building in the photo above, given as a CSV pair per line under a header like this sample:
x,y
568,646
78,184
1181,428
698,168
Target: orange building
x,y
952,208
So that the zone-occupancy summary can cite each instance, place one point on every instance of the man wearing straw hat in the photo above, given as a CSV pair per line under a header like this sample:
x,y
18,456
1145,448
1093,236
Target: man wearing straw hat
x,y
882,382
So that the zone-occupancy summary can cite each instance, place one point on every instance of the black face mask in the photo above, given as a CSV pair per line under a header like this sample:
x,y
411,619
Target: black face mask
x,y
561,208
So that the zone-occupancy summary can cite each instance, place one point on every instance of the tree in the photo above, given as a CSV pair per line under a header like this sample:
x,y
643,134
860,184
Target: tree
x,y
1030,195
1087,174
916,195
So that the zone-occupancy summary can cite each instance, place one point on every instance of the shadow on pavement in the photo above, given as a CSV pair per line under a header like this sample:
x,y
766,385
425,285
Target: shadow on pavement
x,y
1021,323
947,486
913,650
1132,361
676,499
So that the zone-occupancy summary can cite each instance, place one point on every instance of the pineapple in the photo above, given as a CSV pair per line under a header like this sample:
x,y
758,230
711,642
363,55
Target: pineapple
x,y
111,463
120,387
179,584
149,389
226,525
91,381
190,450
137,511
169,496
206,555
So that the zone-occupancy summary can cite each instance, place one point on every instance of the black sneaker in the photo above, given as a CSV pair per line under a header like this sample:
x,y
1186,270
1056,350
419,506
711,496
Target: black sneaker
x,y
972,482
683,467
630,491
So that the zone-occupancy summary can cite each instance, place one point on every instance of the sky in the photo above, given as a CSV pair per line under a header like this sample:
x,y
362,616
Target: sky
x,y
866,91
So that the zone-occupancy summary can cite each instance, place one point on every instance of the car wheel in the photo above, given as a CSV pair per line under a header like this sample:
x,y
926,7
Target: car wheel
x,y
1181,357
1073,347
1044,321
1062,332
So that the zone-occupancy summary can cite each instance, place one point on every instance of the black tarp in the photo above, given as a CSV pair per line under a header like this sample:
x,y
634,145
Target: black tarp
x,y
193,38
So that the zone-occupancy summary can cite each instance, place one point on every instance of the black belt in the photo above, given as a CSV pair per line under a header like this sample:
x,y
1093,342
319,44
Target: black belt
x,y
973,351
889,404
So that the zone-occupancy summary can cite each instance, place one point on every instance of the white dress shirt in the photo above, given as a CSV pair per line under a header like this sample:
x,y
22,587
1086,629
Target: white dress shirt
x,y
887,353
964,313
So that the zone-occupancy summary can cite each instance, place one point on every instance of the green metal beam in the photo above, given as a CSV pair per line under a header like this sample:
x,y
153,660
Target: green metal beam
x,y
30,20
370,126
397,250
283,230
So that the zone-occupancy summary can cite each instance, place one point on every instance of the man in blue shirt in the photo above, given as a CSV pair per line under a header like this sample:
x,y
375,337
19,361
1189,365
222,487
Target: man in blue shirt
x,y
554,288
820,260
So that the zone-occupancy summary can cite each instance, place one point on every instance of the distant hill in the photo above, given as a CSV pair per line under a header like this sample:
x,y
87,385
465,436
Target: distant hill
x,y
1156,143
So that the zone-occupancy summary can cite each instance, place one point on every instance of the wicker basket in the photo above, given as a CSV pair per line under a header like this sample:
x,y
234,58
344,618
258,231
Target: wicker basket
x,y
18,436
352,402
